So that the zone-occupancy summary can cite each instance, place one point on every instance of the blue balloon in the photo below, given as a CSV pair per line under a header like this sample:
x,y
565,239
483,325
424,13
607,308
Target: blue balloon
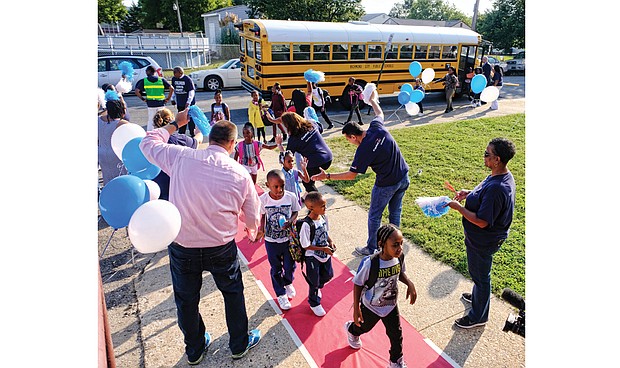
x,y
415,68
201,121
132,155
416,96
478,82
403,97
406,88
120,198
148,173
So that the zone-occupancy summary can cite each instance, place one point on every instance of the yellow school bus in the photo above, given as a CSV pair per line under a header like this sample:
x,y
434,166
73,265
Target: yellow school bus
x,y
281,51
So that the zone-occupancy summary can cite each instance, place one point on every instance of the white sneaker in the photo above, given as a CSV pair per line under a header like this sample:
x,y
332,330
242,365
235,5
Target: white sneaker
x,y
290,291
318,310
420,113
354,341
399,364
284,303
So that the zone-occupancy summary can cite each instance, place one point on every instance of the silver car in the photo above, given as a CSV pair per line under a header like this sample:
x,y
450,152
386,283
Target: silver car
x,y
227,75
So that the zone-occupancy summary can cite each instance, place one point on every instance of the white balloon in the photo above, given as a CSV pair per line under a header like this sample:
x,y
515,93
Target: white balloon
x,y
412,108
123,86
489,94
370,87
154,225
124,134
154,189
427,75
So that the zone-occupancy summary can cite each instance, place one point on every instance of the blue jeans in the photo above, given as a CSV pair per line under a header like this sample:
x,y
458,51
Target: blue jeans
x,y
282,265
317,275
392,197
479,262
186,267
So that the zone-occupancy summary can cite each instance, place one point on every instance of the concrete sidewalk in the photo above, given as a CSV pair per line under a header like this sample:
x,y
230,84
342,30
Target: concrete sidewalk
x,y
143,314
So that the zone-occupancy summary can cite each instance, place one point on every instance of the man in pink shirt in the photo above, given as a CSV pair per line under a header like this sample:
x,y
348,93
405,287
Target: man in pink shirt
x,y
211,190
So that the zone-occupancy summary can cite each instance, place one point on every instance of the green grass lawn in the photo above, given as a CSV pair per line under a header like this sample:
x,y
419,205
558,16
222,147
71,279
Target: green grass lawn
x,y
168,74
453,152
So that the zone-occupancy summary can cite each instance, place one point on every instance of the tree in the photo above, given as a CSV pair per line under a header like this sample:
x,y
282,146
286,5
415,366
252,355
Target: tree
x,y
311,10
110,11
429,10
504,25
161,11
133,20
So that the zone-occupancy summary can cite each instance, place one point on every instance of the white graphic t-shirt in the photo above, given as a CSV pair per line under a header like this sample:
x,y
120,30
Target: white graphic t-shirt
x,y
273,209
320,239
381,298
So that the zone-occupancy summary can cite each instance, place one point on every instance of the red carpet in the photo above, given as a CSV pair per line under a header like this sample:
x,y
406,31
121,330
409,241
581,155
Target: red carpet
x,y
325,337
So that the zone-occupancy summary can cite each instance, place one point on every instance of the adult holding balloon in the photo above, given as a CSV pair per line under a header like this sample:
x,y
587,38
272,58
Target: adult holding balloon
x,y
498,81
377,149
110,164
210,210
487,216
162,118
450,82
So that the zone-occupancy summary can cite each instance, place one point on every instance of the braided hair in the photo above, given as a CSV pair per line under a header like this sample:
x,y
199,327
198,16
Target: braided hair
x,y
384,233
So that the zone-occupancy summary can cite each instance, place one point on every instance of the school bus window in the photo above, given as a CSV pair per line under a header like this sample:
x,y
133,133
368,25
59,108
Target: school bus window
x,y
406,52
340,52
449,52
434,52
420,51
280,52
242,45
258,53
249,46
358,51
251,73
392,52
375,51
320,52
301,52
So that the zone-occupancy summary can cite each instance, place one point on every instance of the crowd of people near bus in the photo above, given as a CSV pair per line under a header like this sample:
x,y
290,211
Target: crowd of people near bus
x,y
214,188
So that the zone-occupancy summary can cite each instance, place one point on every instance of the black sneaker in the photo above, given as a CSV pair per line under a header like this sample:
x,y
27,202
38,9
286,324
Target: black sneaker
x,y
464,322
360,122
466,297
272,140
330,126
284,137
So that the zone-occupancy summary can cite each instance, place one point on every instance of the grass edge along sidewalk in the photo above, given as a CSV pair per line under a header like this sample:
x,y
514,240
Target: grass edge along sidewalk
x,y
451,151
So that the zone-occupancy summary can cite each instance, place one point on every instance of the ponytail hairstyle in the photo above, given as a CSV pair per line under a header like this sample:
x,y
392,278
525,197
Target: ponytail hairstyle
x,y
162,118
384,233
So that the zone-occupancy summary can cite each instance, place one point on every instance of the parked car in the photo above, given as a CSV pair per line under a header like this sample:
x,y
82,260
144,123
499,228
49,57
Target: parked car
x,y
494,61
110,73
227,75
516,65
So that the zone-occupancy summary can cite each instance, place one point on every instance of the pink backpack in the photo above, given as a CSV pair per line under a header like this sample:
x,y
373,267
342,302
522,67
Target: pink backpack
x,y
256,149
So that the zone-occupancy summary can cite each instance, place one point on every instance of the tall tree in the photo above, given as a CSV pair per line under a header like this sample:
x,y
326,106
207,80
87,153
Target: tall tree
x,y
110,11
312,10
429,10
504,25
161,11
133,20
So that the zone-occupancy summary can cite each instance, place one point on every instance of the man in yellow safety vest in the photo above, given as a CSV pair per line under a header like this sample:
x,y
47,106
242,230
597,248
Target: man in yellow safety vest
x,y
154,88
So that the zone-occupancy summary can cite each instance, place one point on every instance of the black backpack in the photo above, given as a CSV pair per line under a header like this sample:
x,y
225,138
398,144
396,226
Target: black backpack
x,y
374,269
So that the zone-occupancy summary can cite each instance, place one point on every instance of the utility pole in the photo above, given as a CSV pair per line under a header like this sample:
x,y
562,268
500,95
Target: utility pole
x,y
175,6
475,17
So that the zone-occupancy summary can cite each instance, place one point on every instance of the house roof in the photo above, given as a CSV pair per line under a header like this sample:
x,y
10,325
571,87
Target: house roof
x,y
428,23
367,17
239,10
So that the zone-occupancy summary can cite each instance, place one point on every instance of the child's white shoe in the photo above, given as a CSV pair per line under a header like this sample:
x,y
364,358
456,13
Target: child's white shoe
x,y
318,310
290,291
354,341
284,303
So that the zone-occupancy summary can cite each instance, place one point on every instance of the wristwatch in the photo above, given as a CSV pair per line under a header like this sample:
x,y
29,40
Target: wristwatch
x,y
175,124
329,176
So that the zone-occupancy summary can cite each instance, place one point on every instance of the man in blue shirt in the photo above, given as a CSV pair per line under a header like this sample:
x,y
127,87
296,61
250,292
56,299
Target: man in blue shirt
x,y
184,96
377,149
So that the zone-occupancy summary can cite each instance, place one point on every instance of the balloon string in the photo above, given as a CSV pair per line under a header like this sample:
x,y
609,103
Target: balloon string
x,y
449,187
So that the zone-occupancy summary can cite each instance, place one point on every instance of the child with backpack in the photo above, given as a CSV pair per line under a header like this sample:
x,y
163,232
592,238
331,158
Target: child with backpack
x,y
255,111
247,152
279,209
292,175
319,247
375,293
